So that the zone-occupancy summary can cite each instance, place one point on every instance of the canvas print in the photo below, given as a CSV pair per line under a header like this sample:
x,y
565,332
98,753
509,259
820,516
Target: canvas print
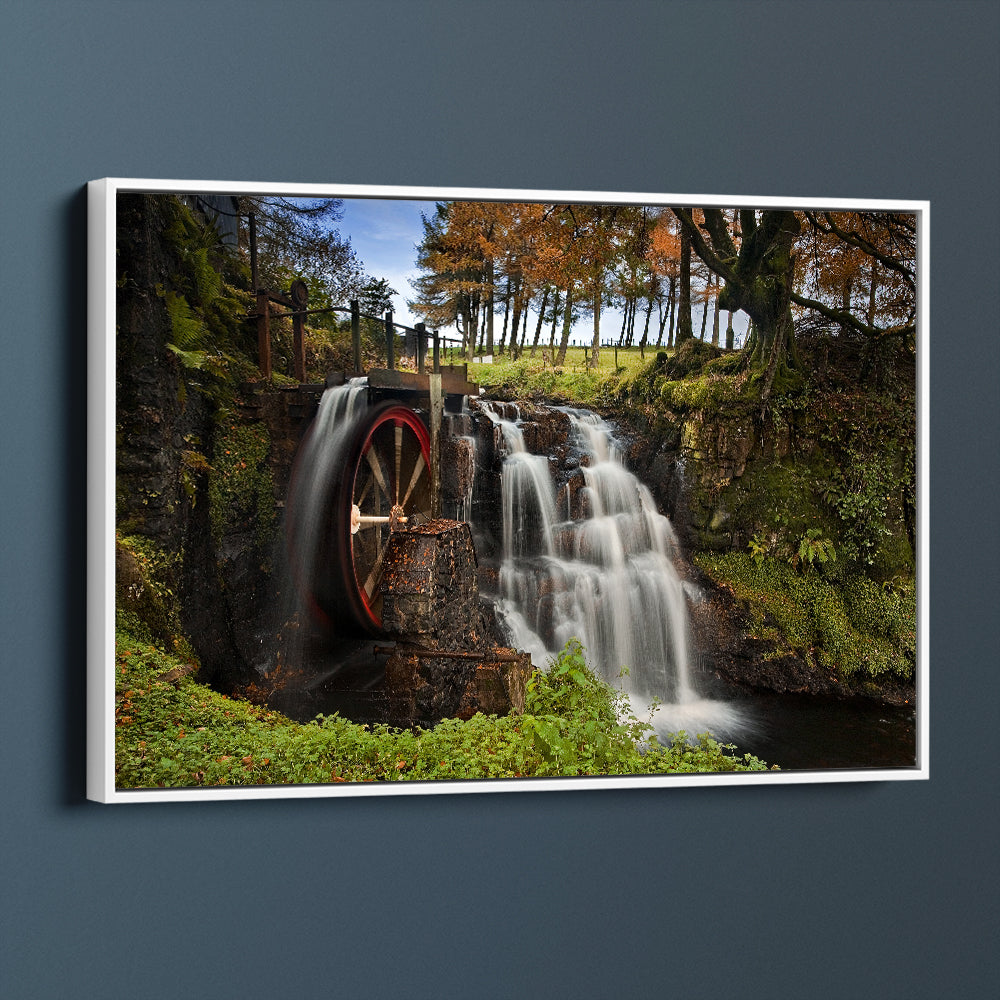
x,y
423,491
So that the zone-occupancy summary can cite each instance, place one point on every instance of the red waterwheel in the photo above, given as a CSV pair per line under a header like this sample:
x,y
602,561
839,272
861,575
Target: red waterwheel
x,y
382,484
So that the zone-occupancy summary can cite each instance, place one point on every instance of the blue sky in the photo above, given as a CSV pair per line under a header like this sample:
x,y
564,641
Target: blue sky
x,y
384,233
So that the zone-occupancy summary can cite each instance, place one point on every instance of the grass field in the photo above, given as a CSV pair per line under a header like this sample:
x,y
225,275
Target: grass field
x,y
574,382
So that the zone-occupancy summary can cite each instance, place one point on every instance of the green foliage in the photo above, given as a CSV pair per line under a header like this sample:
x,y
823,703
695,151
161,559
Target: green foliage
x,y
777,505
206,305
182,734
241,484
861,494
814,549
578,723
854,627
759,547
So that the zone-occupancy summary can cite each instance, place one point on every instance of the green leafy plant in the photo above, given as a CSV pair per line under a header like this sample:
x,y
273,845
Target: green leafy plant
x,y
814,549
759,547
852,626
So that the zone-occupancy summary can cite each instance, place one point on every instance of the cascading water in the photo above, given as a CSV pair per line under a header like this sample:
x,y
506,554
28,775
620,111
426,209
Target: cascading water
x,y
605,576
318,461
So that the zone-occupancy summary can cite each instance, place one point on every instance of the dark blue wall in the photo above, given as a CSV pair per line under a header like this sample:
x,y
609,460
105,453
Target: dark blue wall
x,y
878,890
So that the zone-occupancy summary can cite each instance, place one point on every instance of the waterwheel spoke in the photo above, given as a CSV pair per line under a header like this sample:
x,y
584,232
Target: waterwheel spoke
x,y
364,493
399,459
418,468
376,570
376,466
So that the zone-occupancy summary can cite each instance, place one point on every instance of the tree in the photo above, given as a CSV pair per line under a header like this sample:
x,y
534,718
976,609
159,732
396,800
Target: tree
x,y
664,259
759,276
755,253
599,233
375,297
852,250
297,238
468,247
450,291
684,328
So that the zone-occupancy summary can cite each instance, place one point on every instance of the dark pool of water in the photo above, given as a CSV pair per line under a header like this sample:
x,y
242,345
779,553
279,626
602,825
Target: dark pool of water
x,y
803,732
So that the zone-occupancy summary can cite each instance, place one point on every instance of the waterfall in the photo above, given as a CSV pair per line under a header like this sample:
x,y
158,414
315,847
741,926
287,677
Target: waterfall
x,y
597,564
318,460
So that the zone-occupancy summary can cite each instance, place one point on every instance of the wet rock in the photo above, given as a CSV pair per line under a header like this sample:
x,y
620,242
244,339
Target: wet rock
x,y
458,468
424,689
429,589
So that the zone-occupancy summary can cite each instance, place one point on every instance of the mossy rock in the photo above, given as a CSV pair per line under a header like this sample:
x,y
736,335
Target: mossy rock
x,y
145,600
135,596
241,482
690,358
856,628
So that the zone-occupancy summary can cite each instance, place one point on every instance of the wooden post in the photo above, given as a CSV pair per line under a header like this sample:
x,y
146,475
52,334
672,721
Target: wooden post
x,y
264,334
390,346
437,353
437,412
356,335
421,347
299,346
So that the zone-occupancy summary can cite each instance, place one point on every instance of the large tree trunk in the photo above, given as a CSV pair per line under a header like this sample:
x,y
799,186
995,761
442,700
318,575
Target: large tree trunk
x,y
467,326
668,307
683,329
759,281
555,316
645,329
515,323
704,311
715,316
871,294
489,306
510,294
624,330
524,323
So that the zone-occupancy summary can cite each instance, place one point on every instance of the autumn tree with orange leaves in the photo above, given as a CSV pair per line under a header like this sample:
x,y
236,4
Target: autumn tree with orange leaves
x,y
854,271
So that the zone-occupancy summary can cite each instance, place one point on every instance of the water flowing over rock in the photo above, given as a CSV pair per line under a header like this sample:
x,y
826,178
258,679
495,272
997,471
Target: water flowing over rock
x,y
585,554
